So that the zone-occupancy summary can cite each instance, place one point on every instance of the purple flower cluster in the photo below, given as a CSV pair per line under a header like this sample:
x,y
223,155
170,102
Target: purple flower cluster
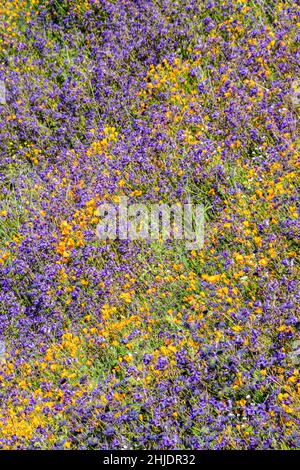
x,y
121,344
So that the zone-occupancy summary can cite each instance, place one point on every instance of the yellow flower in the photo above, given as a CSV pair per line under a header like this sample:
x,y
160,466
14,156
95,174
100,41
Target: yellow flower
x,y
263,262
126,296
237,328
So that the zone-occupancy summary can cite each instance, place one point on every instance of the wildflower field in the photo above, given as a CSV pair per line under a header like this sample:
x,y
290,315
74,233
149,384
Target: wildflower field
x,y
124,344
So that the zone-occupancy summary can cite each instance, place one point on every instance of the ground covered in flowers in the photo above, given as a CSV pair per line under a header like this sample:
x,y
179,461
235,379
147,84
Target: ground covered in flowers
x,y
115,345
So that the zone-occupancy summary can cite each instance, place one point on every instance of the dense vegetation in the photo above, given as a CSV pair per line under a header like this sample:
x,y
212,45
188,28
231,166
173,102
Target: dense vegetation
x,y
121,344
